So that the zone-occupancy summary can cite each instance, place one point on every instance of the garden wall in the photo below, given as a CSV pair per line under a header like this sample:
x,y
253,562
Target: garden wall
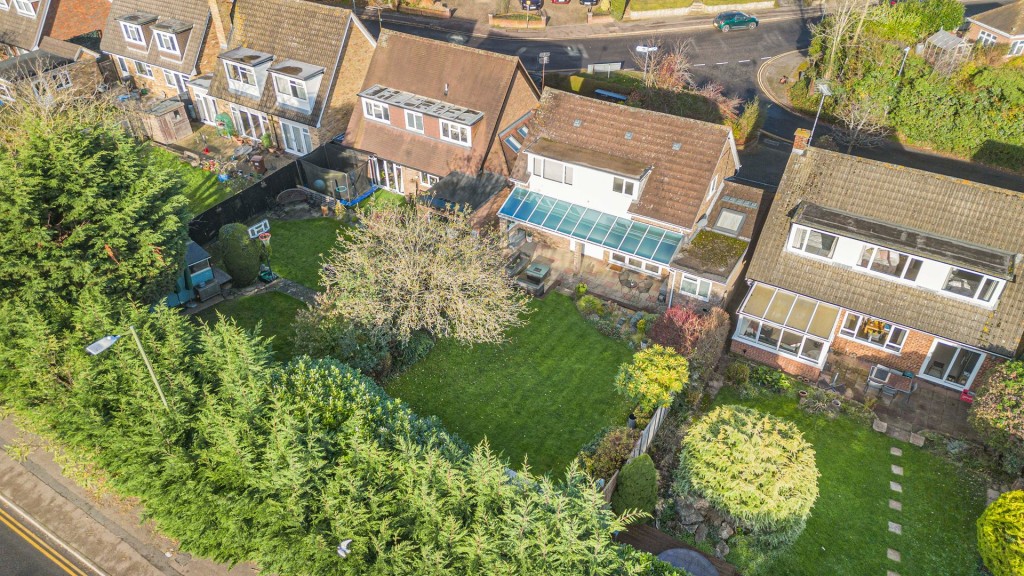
x,y
697,8
251,202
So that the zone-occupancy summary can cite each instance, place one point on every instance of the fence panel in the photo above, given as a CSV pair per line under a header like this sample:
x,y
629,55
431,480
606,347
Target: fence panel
x,y
647,436
251,202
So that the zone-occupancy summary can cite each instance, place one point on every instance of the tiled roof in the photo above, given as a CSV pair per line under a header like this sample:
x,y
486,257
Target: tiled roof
x,y
308,32
683,152
475,79
1008,19
194,12
76,17
26,65
960,210
23,31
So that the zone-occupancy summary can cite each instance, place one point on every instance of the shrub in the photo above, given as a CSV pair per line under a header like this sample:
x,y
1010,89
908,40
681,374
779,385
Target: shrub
x,y
1001,535
652,377
618,8
770,379
581,290
588,305
745,127
738,374
753,466
609,451
998,414
678,328
637,486
419,345
241,254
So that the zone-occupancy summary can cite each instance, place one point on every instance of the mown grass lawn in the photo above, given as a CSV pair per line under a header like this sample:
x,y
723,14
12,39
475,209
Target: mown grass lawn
x,y
543,394
848,534
275,313
201,186
298,247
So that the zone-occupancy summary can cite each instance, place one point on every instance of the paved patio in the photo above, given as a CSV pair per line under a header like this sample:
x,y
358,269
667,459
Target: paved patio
x,y
206,147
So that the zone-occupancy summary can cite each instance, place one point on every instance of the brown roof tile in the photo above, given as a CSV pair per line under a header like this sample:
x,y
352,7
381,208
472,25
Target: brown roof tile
x,y
1008,19
23,31
72,18
194,12
963,211
476,79
680,178
301,30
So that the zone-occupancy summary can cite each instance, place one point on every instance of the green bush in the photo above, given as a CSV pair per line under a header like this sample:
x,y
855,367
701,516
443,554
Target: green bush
x,y
240,253
770,379
653,377
609,451
738,374
581,290
746,125
1001,535
997,414
618,8
637,486
419,345
588,305
753,466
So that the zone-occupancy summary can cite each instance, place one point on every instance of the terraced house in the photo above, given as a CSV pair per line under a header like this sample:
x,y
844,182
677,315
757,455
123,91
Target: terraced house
x,y
291,70
625,190
22,25
429,108
897,267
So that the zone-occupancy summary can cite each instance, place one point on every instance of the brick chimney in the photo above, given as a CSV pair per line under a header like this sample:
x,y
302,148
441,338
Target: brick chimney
x,y
218,24
800,140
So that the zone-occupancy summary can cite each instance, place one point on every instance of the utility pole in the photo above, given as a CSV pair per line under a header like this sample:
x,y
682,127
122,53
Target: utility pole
x,y
544,58
149,367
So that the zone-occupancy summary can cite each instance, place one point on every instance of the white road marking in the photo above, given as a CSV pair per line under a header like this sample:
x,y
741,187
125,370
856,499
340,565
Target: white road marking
x,y
720,63
695,65
743,61
766,57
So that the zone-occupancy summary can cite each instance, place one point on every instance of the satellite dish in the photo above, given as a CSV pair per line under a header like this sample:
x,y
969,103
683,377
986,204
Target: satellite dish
x,y
319,185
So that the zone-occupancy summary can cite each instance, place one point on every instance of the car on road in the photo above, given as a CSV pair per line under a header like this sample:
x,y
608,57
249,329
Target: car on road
x,y
590,2
731,20
530,5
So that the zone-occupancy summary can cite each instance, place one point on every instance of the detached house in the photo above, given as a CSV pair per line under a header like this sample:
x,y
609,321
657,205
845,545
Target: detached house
x,y
161,45
911,270
428,108
291,70
1003,25
632,191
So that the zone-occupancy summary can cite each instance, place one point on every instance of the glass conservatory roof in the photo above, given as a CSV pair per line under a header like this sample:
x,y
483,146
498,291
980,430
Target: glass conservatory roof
x,y
613,232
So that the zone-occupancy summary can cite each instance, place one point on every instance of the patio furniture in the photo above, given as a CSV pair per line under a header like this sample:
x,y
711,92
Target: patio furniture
x,y
626,281
516,264
534,278
645,286
892,382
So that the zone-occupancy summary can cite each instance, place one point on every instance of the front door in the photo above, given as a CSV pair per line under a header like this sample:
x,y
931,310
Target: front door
x,y
207,108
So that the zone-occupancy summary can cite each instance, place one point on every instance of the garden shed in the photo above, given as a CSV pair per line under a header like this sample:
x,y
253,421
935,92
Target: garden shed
x,y
946,51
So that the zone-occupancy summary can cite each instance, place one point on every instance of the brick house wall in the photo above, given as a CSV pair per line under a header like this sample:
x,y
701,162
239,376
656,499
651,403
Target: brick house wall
x,y
787,365
357,53
972,35
208,52
522,98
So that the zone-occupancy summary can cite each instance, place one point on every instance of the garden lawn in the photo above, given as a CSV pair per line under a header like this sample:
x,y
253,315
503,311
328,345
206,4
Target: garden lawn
x,y
847,534
298,246
275,310
383,199
201,186
544,393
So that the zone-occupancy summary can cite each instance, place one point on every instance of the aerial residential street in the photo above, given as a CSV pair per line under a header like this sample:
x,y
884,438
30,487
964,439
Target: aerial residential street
x,y
25,553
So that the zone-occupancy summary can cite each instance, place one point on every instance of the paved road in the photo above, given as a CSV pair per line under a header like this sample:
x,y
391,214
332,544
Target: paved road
x,y
23,553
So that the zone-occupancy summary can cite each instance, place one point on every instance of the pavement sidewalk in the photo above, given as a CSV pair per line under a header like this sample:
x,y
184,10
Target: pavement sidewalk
x,y
107,535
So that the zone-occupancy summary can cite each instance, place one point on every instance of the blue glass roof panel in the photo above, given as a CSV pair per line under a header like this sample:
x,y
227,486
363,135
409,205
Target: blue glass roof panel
x,y
572,218
558,212
543,209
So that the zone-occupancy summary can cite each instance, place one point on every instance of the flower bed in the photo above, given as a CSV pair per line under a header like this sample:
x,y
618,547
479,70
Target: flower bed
x,y
435,10
517,20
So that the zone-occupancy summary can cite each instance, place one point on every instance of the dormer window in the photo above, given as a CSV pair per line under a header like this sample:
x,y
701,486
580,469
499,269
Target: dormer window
x,y
166,42
456,133
241,78
376,111
972,285
25,7
291,92
132,33
414,121
622,186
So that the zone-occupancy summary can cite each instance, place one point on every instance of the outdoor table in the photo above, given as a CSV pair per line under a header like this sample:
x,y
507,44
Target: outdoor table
x,y
538,271
892,379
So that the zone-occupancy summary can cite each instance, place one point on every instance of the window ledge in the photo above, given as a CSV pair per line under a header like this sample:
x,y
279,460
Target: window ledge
x,y
778,352
870,345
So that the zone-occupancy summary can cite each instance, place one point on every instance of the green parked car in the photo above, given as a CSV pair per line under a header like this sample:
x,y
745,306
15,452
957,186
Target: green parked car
x,y
731,20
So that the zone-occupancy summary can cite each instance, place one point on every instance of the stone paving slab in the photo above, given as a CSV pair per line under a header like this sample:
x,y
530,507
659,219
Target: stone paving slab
x,y
895,528
895,451
895,486
897,470
891,573
896,505
893,555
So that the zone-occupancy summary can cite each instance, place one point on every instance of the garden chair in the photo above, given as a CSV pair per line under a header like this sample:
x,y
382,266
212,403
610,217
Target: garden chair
x,y
829,380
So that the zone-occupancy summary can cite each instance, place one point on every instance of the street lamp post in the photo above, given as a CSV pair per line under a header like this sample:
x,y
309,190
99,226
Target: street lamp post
x,y
646,51
906,52
103,344
825,91
544,58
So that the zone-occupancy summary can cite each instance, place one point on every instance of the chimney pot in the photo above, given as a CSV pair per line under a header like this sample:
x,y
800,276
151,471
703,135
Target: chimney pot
x,y
800,139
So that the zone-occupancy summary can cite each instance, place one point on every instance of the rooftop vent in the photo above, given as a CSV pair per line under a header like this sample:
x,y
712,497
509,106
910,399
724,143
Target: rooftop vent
x,y
577,123
677,145
629,135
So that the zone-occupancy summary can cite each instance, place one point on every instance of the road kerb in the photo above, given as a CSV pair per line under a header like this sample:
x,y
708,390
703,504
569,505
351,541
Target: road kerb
x,y
65,547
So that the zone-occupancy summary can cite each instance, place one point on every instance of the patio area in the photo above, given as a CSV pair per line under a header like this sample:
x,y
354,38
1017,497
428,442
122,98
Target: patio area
x,y
928,407
212,151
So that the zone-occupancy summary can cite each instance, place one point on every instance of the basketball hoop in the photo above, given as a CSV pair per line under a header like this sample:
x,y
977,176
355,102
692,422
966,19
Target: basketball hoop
x,y
265,238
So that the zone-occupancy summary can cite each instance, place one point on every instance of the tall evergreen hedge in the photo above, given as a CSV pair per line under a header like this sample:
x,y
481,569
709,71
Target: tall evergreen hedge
x,y
1001,535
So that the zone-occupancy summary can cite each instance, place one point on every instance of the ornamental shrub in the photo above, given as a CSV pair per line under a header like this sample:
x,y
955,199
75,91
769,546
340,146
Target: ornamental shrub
x,y
738,374
653,377
997,413
637,486
240,253
1001,535
610,452
770,379
588,305
753,466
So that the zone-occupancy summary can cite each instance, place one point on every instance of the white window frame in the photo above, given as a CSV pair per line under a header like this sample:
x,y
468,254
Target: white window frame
x,y
143,69
127,29
428,179
729,211
798,239
5,93
288,129
238,80
986,38
888,345
236,117
376,111
25,8
456,133
512,143
122,65
874,255
623,186
1016,48
296,92
993,298
982,356
540,165
171,39
169,78
701,286
4,5
745,322
414,121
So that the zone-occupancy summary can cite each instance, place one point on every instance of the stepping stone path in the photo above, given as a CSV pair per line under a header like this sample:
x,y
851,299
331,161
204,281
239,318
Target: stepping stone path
x,y
897,506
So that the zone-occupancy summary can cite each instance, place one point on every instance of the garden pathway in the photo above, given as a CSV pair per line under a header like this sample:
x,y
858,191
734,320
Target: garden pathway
x,y
896,506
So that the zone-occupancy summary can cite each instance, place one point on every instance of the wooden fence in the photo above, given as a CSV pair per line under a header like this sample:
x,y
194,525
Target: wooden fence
x,y
647,436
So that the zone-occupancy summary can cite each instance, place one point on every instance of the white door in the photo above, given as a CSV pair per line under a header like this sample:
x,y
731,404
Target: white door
x,y
296,138
952,365
249,123
207,108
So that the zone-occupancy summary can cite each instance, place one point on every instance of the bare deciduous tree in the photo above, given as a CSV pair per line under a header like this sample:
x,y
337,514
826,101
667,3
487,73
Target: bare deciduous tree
x,y
413,269
863,125
668,67
841,16
729,106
